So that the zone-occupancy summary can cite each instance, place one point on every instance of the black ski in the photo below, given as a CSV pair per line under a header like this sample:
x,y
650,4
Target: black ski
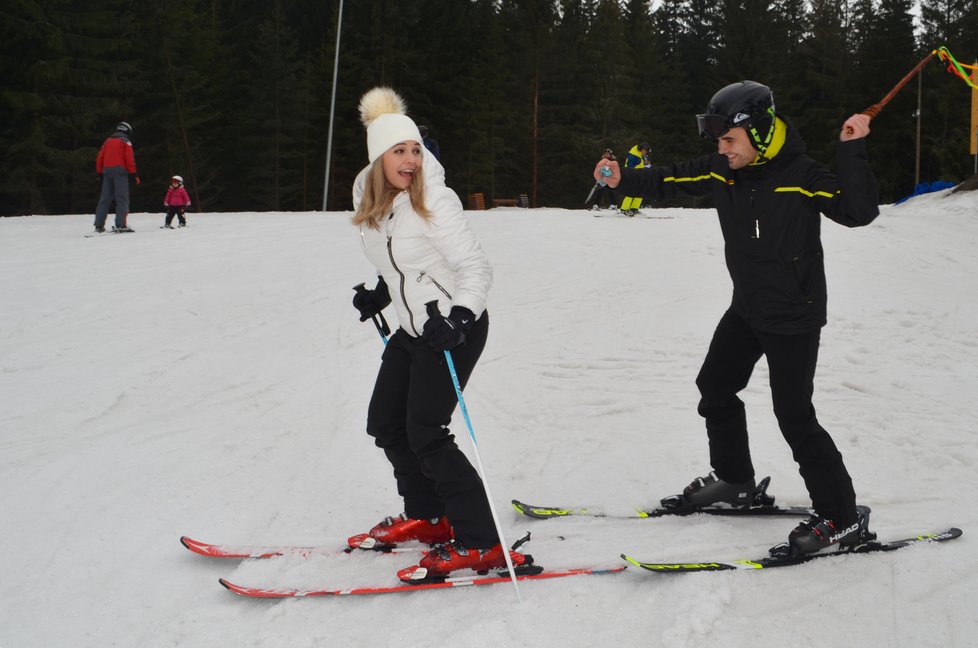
x,y
780,556
112,231
762,504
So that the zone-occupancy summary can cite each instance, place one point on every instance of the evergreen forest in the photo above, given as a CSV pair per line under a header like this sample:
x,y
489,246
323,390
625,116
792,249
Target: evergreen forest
x,y
522,95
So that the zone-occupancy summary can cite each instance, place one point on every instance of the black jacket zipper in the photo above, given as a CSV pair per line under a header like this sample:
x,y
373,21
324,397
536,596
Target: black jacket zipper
x,y
437,285
390,255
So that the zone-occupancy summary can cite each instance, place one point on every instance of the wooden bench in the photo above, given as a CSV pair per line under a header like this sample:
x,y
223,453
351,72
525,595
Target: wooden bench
x,y
504,202
477,201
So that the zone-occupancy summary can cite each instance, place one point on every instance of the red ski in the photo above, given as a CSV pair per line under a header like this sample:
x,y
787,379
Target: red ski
x,y
271,551
258,551
458,581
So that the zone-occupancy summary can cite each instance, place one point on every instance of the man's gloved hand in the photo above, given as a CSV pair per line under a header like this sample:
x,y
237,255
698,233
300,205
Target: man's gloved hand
x,y
98,179
445,333
134,178
371,302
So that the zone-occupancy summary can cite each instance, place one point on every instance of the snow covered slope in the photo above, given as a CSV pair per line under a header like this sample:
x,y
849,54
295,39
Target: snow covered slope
x,y
213,381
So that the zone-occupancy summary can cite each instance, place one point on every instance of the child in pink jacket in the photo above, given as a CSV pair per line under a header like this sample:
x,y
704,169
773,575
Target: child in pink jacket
x,y
176,202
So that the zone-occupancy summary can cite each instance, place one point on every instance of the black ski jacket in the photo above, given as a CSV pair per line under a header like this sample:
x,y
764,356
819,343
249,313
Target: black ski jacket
x,y
769,214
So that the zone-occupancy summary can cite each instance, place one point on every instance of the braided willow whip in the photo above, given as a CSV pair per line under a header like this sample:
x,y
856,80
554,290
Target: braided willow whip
x,y
875,109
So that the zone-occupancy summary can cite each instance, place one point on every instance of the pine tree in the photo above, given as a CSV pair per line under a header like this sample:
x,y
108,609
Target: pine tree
x,y
526,33
792,28
946,115
457,38
702,47
182,71
886,51
569,143
750,37
480,143
273,100
818,104
68,74
234,95
610,66
676,137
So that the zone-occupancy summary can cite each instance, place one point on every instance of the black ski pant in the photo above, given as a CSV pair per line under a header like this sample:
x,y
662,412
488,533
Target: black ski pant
x,y
791,359
175,210
410,410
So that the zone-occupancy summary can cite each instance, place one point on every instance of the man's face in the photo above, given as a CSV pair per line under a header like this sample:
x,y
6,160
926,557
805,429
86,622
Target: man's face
x,y
736,147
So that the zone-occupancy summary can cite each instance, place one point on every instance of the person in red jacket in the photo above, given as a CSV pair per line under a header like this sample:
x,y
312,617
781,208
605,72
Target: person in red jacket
x,y
115,165
176,202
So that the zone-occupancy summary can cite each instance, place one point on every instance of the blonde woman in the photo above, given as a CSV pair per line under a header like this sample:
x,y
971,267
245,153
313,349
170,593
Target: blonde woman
x,y
433,270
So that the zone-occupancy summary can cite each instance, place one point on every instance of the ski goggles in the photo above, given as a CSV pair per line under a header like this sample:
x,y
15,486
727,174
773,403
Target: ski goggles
x,y
712,127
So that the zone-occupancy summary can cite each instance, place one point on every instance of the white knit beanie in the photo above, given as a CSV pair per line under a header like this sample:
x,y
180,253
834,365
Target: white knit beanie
x,y
382,112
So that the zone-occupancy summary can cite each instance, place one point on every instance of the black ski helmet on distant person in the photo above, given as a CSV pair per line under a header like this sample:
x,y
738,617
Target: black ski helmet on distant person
x,y
124,127
745,104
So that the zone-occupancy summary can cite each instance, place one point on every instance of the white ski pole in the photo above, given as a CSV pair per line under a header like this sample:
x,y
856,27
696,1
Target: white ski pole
x,y
433,309
482,473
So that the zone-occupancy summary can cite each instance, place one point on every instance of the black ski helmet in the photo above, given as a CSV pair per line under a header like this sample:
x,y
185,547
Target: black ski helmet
x,y
747,104
124,127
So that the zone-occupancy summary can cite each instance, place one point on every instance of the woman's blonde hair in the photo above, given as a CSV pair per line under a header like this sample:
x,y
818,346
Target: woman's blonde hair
x,y
378,196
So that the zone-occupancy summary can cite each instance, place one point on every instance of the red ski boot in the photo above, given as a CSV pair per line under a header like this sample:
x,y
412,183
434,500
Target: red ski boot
x,y
394,531
444,559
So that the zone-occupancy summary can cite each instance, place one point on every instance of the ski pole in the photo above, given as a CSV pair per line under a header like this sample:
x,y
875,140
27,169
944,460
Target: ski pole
x,y
432,307
382,327
606,172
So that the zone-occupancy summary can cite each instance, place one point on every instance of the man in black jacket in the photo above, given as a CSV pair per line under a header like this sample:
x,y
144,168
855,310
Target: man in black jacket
x,y
769,196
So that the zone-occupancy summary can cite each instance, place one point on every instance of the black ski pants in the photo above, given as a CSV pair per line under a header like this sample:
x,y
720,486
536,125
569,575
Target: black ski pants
x,y
734,351
175,210
410,410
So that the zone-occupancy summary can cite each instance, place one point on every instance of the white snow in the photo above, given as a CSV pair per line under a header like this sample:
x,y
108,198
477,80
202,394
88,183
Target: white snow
x,y
213,382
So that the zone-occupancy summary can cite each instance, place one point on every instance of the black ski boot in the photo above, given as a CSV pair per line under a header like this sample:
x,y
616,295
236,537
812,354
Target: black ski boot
x,y
711,490
818,534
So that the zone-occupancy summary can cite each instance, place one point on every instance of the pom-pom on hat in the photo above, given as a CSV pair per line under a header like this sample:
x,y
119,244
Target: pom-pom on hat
x,y
382,113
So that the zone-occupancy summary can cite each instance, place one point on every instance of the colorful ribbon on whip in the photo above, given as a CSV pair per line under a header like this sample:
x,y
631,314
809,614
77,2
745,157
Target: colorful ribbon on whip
x,y
955,67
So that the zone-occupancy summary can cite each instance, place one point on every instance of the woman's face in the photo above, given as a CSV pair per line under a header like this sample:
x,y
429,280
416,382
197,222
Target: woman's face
x,y
400,162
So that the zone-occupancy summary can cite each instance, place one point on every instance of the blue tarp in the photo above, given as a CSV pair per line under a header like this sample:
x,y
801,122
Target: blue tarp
x,y
927,187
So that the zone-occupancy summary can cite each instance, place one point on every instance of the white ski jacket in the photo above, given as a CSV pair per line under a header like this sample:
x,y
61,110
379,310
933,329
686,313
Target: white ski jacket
x,y
425,260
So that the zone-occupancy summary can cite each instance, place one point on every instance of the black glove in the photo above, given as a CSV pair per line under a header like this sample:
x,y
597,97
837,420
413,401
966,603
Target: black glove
x,y
445,333
371,302
98,179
